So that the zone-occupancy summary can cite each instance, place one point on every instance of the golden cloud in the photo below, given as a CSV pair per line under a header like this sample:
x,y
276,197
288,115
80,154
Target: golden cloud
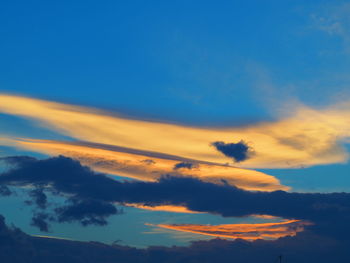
x,y
243,231
307,137
150,166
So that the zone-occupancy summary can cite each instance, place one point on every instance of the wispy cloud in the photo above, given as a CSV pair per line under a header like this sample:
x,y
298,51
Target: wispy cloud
x,y
244,231
334,19
150,166
307,137
301,248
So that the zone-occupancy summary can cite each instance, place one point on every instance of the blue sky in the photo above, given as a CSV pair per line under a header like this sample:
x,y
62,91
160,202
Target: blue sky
x,y
194,62
228,63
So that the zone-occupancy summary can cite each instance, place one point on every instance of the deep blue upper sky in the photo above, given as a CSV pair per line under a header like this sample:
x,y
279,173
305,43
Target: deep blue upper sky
x,y
185,61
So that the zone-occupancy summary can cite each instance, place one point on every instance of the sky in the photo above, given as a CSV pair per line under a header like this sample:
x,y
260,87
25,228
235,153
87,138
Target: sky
x,y
116,117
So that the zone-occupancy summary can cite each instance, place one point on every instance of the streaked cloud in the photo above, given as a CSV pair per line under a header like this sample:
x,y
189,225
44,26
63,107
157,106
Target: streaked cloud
x,y
305,137
301,248
150,166
333,19
62,175
164,208
244,231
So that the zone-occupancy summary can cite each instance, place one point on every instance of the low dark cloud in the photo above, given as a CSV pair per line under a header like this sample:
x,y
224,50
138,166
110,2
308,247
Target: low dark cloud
x,y
91,197
39,197
59,176
238,151
39,220
5,191
67,176
18,247
87,212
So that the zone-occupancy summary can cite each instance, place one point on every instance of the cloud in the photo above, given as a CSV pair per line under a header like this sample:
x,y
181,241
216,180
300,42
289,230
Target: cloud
x,y
5,191
333,19
85,211
244,231
39,197
131,163
326,240
38,175
39,220
17,246
148,161
304,137
66,176
166,208
184,165
88,212
238,151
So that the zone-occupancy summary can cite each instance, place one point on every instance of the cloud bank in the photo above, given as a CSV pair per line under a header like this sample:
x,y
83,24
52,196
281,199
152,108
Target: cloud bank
x,y
92,195
150,166
305,137
244,231
18,247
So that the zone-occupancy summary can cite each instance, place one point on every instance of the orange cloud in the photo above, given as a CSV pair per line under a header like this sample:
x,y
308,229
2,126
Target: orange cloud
x,y
244,231
306,137
165,208
149,166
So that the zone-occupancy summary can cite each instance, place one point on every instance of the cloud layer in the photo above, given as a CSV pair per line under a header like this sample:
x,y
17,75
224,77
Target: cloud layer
x,y
305,137
150,166
17,247
91,195
244,231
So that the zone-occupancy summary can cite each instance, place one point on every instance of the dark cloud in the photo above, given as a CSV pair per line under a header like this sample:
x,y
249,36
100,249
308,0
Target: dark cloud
x,y
65,175
148,161
185,165
5,191
59,176
39,197
238,151
91,198
39,220
87,212
18,247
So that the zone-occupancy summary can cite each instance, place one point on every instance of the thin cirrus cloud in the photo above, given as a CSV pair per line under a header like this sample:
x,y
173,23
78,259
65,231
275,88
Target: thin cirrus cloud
x,y
306,137
244,231
164,208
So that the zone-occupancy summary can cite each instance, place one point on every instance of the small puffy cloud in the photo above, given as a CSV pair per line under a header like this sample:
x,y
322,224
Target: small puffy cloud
x,y
187,165
87,212
39,197
39,220
239,151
